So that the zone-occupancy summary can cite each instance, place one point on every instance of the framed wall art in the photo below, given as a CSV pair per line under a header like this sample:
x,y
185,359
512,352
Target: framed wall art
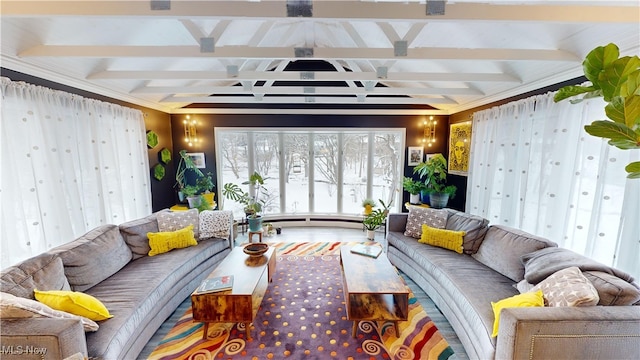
x,y
415,155
198,159
459,148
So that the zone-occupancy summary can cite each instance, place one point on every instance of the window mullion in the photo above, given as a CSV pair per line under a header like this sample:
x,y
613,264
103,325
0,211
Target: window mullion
x,y
282,171
370,154
311,172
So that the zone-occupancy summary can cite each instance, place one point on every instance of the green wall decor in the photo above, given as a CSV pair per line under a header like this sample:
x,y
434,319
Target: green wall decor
x,y
152,139
158,172
165,155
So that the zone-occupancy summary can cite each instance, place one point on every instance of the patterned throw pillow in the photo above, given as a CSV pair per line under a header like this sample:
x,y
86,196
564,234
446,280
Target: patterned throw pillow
x,y
12,307
215,223
568,287
436,218
176,220
447,239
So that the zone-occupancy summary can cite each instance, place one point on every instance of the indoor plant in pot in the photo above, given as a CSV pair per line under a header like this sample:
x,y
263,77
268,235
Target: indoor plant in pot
x,y
373,221
253,201
413,187
205,186
185,164
434,171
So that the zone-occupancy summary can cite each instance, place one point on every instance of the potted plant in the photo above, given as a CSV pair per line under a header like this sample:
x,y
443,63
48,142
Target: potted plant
x,y
413,187
373,221
253,201
368,205
205,185
434,171
185,164
617,80
191,193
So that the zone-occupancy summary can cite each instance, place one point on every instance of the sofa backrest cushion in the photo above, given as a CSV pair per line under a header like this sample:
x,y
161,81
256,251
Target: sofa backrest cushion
x,y
475,228
42,272
503,246
614,286
135,232
94,256
613,290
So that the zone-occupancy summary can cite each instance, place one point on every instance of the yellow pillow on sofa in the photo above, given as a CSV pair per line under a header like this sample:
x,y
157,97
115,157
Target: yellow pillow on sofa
x,y
162,242
74,302
529,299
448,239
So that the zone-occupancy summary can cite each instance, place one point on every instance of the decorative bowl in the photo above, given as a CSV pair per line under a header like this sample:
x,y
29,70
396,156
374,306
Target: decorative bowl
x,y
257,249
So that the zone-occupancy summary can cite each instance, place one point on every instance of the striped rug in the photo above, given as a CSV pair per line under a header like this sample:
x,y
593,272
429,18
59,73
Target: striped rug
x,y
302,316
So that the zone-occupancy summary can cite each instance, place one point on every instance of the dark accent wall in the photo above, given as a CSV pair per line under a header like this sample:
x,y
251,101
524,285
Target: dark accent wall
x,y
208,122
158,121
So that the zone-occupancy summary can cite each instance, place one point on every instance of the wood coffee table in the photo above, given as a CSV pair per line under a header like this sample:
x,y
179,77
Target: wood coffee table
x,y
240,304
373,289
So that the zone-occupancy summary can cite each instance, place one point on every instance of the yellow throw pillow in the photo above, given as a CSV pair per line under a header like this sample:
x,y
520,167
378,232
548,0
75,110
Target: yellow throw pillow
x,y
162,242
448,239
74,302
529,299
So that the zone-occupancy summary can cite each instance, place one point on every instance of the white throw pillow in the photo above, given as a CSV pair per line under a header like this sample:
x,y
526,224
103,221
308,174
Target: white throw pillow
x,y
568,287
17,307
176,220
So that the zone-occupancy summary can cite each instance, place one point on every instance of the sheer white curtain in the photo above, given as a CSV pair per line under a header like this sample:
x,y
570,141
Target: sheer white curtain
x,y
534,167
68,165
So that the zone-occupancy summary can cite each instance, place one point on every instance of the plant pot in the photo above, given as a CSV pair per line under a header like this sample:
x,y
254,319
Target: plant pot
x,y
424,197
414,198
368,209
194,201
371,234
209,197
181,196
438,200
255,223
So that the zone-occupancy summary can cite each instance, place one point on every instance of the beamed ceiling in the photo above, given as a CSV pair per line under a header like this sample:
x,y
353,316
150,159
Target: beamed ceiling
x,y
352,56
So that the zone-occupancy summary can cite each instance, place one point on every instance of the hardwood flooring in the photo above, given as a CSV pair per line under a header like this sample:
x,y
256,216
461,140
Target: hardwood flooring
x,y
326,234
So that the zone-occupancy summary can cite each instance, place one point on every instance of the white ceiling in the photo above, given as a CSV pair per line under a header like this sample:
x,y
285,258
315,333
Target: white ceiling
x,y
476,53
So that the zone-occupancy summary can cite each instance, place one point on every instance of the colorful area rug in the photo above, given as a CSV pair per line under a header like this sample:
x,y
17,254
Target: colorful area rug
x,y
302,316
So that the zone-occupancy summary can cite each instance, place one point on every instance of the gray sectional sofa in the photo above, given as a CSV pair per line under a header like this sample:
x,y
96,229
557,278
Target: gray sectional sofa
x,y
111,264
491,268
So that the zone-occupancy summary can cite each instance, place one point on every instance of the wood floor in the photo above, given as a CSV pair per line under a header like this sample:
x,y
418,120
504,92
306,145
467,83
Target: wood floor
x,y
327,234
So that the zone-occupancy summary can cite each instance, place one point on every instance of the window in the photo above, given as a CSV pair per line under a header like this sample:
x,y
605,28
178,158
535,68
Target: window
x,y
313,171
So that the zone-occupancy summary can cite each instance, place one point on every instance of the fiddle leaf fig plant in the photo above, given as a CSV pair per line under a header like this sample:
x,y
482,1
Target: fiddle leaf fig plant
x,y
617,80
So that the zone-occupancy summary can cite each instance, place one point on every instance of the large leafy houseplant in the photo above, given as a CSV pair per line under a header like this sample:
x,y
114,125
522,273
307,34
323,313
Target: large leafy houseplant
x,y
434,171
253,201
185,164
617,80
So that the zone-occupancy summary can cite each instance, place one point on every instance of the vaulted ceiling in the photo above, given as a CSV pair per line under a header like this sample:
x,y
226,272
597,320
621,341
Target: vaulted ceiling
x,y
363,56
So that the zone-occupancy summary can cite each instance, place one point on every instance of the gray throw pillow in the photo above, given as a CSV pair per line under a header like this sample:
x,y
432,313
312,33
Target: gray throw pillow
x,y
475,228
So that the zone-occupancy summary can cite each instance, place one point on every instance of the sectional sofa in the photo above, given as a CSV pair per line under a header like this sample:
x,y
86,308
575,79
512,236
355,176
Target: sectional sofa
x,y
111,264
494,263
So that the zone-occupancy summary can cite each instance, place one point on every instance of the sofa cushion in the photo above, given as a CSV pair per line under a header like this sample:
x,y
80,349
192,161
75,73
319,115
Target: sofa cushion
x,y
612,290
163,242
94,257
475,228
568,287
74,302
540,264
176,220
503,246
447,239
44,271
13,307
215,223
530,299
436,218
135,232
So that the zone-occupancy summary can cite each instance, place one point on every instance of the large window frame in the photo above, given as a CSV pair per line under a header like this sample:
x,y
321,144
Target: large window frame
x,y
393,191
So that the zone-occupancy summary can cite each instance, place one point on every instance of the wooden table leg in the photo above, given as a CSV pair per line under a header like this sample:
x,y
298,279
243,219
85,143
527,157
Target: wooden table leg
x,y
355,328
247,329
395,323
206,331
